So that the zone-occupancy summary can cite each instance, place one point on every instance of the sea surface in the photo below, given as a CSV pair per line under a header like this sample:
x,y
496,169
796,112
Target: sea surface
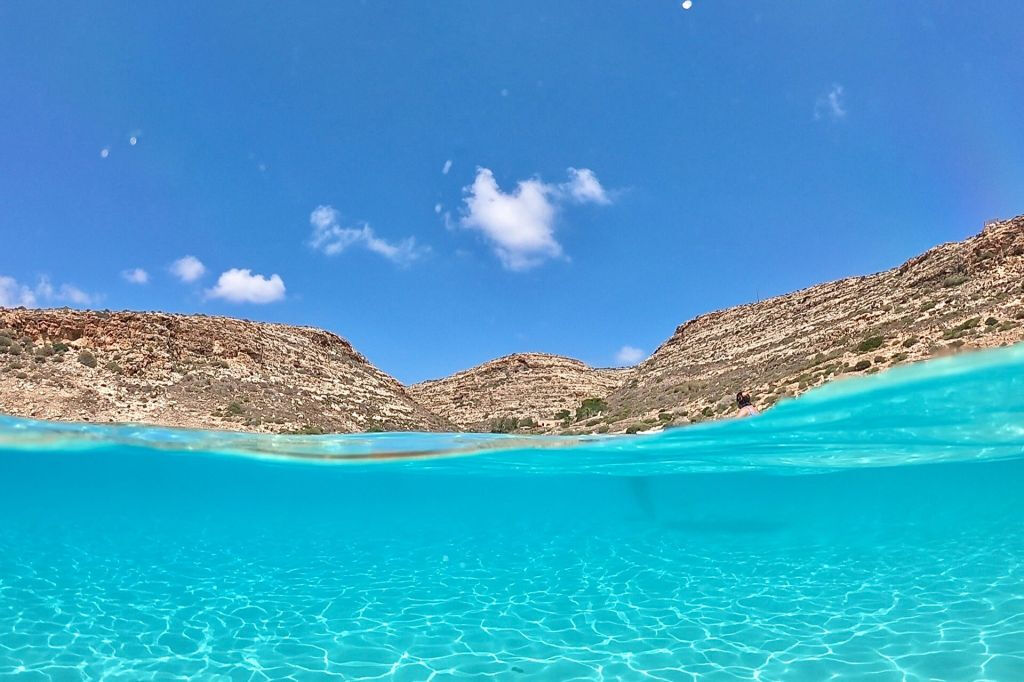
x,y
870,530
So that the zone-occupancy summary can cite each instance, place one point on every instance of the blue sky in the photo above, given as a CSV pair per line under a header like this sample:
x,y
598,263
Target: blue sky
x,y
444,183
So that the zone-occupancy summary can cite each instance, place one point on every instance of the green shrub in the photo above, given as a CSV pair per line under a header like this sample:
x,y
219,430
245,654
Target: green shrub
x,y
861,366
15,348
708,411
869,344
504,425
21,375
603,428
665,416
954,280
991,322
899,357
636,428
234,408
928,306
562,414
87,358
60,347
113,367
590,408
962,328
309,430
527,423
910,341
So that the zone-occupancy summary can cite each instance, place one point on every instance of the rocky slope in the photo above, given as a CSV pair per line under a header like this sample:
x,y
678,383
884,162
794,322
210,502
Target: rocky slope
x,y
533,386
957,296
196,371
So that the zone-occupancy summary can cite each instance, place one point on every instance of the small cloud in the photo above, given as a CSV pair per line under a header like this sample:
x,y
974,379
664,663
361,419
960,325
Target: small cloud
x,y
73,294
438,208
239,285
584,187
447,167
188,269
13,294
832,104
133,140
331,238
520,225
136,276
105,152
629,355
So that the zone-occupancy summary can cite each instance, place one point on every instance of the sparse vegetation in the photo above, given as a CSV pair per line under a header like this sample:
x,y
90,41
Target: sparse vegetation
x,y
954,280
991,322
961,328
907,343
113,367
869,344
87,358
861,366
636,428
504,425
234,408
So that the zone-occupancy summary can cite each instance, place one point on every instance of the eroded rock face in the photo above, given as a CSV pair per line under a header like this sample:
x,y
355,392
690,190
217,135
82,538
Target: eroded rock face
x,y
196,371
958,296
524,385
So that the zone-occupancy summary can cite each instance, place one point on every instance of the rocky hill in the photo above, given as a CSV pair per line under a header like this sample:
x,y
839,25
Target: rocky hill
x,y
532,387
195,371
957,296
223,373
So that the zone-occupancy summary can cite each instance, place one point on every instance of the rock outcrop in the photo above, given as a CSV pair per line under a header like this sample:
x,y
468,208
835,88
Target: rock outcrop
x,y
533,386
195,371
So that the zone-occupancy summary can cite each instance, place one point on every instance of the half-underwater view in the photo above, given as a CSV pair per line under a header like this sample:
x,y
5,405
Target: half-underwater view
x,y
571,341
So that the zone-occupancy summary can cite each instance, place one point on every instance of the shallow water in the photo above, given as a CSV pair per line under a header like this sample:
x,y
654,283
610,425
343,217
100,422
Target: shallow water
x,y
871,530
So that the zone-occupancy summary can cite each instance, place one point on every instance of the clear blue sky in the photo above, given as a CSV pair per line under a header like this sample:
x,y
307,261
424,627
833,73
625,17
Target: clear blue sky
x,y
443,183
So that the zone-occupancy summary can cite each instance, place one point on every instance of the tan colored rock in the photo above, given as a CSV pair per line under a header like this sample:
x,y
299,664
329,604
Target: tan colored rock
x,y
524,385
958,296
195,371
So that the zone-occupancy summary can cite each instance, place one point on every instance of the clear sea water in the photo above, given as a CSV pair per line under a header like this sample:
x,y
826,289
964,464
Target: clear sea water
x,y
870,530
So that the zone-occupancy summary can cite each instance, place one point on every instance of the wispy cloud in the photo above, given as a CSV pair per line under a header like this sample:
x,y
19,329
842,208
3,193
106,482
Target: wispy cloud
x,y
331,238
136,276
447,167
831,104
13,294
520,225
240,285
188,269
583,187
629,355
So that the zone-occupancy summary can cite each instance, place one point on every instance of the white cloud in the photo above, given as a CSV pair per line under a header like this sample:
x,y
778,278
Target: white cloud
x,y
629,355
73,294
239,285
583,187
521,225
188,268
136,276
831,104
447,167
13,294
331,238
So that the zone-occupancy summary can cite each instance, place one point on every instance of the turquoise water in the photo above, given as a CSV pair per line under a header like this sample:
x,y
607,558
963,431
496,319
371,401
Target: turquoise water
x,y
870,530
